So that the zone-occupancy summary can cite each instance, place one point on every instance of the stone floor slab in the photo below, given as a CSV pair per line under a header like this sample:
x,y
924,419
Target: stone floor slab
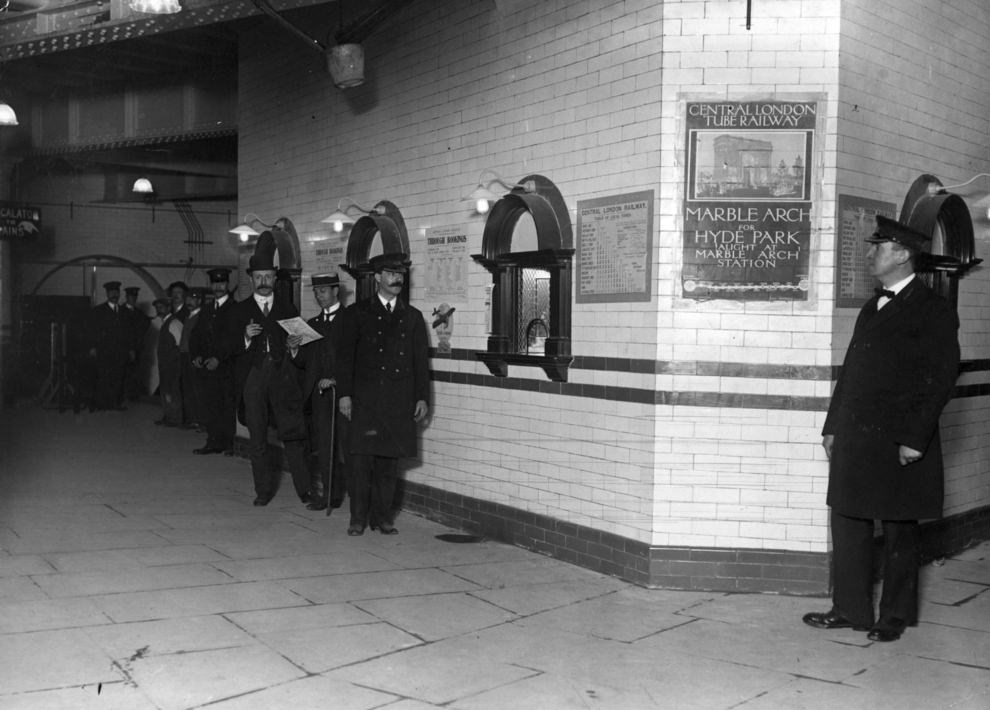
x,y
320,649
313,692
377,585
134,579
437,616
49,660
313,616
171,603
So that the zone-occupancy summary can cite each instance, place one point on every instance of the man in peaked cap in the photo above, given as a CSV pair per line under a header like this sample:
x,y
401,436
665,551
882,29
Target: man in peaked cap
x,y
328,432
384,392
265,382
111,346
881,437
212,358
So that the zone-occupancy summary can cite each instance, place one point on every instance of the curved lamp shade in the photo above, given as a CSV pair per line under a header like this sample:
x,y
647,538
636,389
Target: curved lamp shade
x,y
143,186
7,115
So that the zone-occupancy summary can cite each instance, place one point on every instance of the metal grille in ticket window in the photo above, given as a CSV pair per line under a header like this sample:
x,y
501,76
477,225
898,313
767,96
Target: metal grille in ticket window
x,y
534,311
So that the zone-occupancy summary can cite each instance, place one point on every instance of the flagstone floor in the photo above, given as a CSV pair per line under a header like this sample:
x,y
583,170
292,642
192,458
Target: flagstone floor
x,y
136,576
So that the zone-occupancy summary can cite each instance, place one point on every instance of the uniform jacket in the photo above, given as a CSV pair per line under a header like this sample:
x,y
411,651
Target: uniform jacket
x,y
209,338
385,370
110,333
898,374
286,397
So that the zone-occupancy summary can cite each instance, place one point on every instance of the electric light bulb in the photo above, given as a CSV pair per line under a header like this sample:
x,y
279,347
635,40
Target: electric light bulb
x,y
338,226
482,206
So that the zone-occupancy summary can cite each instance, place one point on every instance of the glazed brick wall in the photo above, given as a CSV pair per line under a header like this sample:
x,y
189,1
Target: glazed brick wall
x,y
591,95
915,97
76,223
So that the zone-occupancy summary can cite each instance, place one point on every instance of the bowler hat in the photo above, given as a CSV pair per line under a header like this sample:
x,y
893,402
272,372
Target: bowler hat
x,y
325,280
112,285
132,289
396,261
890,230
218,276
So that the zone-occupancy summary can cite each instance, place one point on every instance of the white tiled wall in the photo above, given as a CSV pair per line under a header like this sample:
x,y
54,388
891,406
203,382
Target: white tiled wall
x,y
591,94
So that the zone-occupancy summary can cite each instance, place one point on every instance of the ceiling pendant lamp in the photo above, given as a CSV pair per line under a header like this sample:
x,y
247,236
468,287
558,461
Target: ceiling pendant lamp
x,y
156,7
7,115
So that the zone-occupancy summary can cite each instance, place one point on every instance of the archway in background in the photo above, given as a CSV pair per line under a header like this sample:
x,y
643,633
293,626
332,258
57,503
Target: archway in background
x,y
106,260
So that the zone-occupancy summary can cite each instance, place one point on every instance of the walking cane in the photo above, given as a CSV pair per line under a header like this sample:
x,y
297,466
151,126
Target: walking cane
x,y
328,484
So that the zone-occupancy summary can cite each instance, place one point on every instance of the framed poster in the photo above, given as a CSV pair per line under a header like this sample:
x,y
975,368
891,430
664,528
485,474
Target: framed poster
x,y
446,264
747,207
614,248
856,220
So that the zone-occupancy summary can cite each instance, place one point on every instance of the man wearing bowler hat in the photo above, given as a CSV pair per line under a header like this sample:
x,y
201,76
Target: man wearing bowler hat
x,y
881,437
212,360
266,384
384,392
111,347
328,433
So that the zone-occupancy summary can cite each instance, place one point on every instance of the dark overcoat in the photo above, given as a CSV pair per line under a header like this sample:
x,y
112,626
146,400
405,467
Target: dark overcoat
x,y
384,369
286,399
898,374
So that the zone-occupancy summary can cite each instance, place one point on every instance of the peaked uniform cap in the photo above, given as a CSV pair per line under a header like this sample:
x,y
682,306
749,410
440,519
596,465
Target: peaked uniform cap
x,y
890,230
396,261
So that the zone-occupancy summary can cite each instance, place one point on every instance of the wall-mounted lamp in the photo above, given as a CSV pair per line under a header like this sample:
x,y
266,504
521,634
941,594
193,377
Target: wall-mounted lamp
x,y
7,115
156,7
339,217
482,195
934,188
143,186
245,230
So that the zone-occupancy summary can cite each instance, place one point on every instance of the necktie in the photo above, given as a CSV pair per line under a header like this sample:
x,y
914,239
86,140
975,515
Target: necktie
x,y
388,307
884,292
265,309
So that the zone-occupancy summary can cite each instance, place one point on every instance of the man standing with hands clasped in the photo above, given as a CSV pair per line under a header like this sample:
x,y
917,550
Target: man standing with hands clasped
x,y
384,390
881,437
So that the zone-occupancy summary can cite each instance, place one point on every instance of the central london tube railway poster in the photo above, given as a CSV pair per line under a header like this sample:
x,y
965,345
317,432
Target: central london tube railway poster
x,y
747,207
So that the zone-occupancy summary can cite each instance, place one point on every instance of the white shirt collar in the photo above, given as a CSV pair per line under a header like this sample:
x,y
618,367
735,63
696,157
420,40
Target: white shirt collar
x,y
900,285
262,300
386,301
222,300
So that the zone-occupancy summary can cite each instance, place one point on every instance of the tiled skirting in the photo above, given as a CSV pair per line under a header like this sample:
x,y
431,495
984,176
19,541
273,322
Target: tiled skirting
x,y
722,569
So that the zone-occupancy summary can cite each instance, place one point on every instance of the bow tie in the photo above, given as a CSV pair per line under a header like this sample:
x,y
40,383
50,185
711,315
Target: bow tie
x,y
880,292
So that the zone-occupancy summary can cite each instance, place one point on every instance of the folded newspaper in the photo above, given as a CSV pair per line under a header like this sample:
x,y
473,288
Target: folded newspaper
x,y
297,326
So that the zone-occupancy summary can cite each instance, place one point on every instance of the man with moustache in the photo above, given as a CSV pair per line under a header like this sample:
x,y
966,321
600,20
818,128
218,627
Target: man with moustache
x,y
192,414
266,384
169,363
328,433
211,359
882,441
384,392
111,347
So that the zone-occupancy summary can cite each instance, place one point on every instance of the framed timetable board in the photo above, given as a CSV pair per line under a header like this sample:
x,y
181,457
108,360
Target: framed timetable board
x,y
856,220
614,248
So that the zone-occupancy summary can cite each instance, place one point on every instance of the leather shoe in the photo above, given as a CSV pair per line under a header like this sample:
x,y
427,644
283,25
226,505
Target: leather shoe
x,y
353,530
207,450
316,504
831,620
883,634
385,529
228,452
261,501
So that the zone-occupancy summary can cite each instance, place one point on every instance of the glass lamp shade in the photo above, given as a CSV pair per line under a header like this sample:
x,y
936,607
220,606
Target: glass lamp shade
x,y
7,115
156,7
143,186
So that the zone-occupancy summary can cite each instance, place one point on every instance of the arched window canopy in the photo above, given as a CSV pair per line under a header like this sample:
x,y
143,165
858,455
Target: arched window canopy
x,y
930,209
529,286
384,221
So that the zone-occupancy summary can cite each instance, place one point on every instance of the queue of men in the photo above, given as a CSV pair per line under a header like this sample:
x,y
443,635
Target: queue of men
x,y
344,402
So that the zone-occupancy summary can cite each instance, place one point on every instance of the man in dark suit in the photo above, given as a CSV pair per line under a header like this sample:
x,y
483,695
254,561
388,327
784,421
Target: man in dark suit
x,y
384,392
882,441
139,322
328,433
111,346
266,383
189,380
211,358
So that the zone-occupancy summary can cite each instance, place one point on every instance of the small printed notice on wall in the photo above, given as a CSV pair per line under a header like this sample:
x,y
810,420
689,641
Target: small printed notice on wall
x,y
747,207
327,258
614,248
855,222
446,264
